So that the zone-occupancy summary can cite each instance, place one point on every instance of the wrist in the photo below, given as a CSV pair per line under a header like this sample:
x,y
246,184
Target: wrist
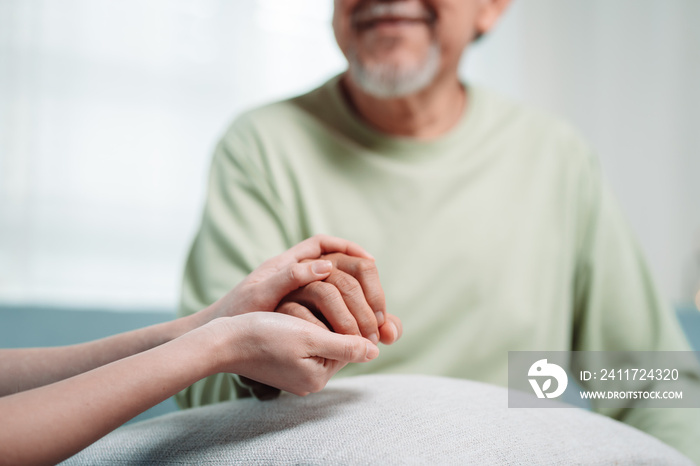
x,y
219,345
180,326
213,311
197,351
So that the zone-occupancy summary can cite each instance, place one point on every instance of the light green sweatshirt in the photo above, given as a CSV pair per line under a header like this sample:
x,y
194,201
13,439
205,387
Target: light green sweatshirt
x,y
498,236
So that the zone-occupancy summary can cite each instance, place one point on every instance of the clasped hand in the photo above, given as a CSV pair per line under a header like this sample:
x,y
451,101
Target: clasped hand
x,y
329,284
349,301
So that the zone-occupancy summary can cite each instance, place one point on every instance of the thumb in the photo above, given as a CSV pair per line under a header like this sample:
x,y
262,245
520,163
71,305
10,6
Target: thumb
x,y
344,348
297,275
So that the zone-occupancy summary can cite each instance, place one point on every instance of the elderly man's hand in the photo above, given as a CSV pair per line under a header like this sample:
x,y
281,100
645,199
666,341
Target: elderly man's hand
x,y
349,301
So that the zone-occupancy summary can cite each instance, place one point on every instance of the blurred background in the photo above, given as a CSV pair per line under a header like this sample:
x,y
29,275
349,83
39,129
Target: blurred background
x,y
110,110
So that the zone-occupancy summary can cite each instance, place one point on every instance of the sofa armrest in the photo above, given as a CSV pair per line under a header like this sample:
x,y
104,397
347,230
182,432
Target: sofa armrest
x,y
381,419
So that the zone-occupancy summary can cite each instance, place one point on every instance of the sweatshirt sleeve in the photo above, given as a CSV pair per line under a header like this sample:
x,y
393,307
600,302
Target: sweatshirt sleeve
x,y
243,224
618,308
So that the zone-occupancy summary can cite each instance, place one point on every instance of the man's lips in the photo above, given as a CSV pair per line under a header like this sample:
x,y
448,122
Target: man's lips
x,y
391,14
389,21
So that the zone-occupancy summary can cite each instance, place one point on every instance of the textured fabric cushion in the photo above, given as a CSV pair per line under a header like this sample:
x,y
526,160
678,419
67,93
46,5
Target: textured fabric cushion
x,y
381,419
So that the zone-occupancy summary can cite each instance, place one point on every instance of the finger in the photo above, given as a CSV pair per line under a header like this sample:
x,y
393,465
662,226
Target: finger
x,y
325,369
391,330
295,276
354,298
314,247
326,298
343,348
295,309
366,273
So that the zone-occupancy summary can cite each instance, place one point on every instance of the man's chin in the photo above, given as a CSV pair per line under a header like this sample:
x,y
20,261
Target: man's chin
x,y
394,78
383,86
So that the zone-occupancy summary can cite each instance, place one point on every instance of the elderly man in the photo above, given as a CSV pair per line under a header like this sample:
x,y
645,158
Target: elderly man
x,y
491,227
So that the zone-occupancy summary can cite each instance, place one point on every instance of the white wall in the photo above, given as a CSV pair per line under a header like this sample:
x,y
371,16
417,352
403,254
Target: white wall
x,y
627,73
109,111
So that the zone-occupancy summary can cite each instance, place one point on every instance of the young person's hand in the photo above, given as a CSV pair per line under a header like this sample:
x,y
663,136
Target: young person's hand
x,y
65,403
281,351
265,287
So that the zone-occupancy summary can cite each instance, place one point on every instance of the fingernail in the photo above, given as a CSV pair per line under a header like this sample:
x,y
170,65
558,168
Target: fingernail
x,y
321,267
373,338
372,351
380,318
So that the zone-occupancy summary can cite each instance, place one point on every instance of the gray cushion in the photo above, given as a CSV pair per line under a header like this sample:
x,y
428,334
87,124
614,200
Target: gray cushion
x,y
381,419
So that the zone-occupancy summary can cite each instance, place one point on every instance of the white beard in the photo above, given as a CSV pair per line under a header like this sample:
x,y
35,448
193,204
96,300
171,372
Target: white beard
x,y
387,81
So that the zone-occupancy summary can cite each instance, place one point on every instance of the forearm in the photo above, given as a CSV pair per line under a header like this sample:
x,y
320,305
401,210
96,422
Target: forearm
x,y
50,423
27,368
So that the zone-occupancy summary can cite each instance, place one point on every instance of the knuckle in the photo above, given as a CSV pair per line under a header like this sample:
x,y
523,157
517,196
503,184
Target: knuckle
x,y
345,325
367,323
325,292
318,238
366,267
349,351
377,300
346,283
295,274
311,291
